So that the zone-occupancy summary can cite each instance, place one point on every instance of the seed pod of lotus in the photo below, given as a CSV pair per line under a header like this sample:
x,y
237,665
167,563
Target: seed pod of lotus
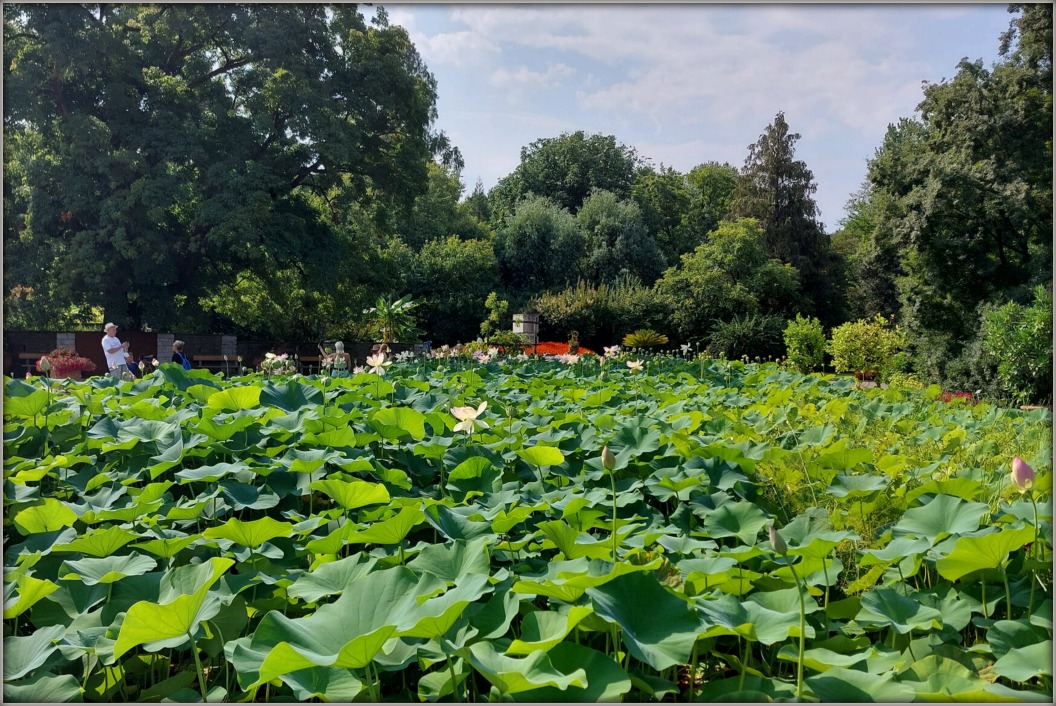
x,y
607,458
777,542
44,365
1022,475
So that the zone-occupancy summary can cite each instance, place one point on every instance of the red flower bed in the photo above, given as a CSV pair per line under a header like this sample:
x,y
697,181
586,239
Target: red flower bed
x,y
968,397
552,348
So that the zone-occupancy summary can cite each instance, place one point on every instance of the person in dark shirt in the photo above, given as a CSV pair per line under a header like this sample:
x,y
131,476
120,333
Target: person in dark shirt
x,y
178,356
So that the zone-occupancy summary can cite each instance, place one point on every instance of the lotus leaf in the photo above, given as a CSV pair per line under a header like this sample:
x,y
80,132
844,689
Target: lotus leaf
x,y
989,551
657,627
1025,663
46,688
24,654
885,607
942,516
30,590
512,676
848,685
250,534
172,620
106,569
543,630
606,681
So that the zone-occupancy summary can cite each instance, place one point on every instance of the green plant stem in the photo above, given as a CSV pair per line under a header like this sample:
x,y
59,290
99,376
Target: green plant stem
x,y
198,666
692,671
802,634
612,477
1008,596
454,678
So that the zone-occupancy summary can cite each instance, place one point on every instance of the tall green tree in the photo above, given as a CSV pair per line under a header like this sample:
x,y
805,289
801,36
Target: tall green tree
x,y
161,149
539,247
711,186
731,275
777,189
618,243
565,169
869,255
663,197
971,192
437,213
452,277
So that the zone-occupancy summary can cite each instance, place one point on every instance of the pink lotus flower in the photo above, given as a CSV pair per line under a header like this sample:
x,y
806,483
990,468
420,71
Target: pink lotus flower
x,y
1022,475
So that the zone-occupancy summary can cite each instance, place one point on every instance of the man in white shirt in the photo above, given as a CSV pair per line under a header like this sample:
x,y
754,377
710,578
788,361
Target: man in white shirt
x,y
115,351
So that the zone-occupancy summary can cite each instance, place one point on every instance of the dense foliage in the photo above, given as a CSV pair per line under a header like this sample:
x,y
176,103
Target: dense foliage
x,y
527,530
188,148
181,167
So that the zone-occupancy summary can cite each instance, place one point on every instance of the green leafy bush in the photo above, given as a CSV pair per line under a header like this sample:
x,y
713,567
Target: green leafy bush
x,y
601,313
752,336
867,346
731,274
1020,338
905,381
805,343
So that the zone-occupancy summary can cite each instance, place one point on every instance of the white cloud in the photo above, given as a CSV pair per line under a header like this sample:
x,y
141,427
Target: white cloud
x,y
523,76
685,84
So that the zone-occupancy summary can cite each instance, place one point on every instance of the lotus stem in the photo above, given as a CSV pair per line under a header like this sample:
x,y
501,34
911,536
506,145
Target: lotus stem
x,y
1008,596
802,634
612,477
198,666
454,679
1036,547
692,670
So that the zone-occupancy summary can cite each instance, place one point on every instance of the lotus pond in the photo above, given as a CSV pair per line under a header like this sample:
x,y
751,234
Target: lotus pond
x,y
188,537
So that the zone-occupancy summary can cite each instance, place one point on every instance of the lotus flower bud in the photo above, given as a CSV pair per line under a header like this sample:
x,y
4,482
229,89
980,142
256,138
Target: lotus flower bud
x,y
43,365
1022,475
607,459
777,542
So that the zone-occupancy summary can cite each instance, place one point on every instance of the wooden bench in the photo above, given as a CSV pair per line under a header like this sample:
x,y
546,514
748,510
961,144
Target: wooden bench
x,y
215,363
27,362
309,363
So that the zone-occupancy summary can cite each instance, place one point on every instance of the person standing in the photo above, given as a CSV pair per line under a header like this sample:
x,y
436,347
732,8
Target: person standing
x,y
115,351
178,355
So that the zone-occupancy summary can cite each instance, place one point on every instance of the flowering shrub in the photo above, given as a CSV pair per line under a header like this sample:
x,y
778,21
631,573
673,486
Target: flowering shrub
x,y
965,397
554,348
64,361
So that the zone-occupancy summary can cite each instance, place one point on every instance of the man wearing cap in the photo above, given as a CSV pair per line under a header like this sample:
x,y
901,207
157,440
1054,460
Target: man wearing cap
x,y
115,351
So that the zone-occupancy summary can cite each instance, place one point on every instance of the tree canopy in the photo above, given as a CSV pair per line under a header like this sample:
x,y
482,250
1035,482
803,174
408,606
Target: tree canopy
x,y
565,169
161,149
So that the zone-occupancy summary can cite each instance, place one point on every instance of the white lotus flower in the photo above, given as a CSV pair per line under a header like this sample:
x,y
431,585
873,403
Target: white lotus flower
x,y
357,370
685,348
377,363
636,366
611,351
467,417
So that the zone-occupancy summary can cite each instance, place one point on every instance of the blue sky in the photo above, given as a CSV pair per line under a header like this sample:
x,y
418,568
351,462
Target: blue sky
x,y
686,84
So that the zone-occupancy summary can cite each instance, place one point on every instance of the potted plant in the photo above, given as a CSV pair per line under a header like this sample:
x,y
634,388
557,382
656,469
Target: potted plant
x,y
66,363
